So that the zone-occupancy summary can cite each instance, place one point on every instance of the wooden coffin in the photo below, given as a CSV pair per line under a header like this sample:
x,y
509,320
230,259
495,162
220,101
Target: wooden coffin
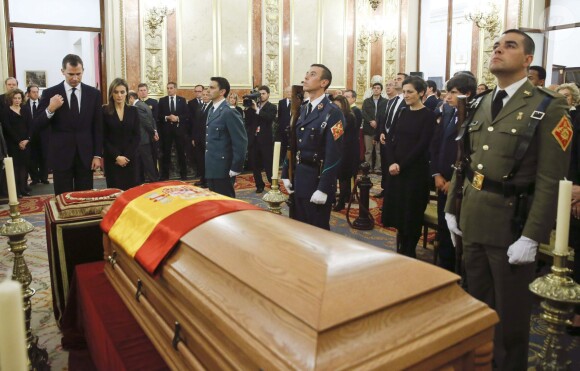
x,y
253,290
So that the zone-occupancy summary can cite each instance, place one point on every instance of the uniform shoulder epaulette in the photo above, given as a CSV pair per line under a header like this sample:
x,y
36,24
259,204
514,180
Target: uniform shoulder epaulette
x,y
549,92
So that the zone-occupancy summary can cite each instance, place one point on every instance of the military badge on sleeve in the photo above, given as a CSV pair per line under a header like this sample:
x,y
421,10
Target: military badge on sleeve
x,y
563,133
337,130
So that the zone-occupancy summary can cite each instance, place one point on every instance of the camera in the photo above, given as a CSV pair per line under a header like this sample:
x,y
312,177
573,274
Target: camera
x,y
248,98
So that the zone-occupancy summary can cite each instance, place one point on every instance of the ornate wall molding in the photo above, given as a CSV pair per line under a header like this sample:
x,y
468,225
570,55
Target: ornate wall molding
x,y
123,49
490,27
272,51
361,58
153,48
391,40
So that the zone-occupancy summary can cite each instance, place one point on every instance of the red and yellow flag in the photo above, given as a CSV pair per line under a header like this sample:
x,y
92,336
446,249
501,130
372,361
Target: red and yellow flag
x,y
147,221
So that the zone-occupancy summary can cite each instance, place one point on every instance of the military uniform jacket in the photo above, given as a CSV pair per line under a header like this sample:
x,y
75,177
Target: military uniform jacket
x,y
226,142
486,216
319,138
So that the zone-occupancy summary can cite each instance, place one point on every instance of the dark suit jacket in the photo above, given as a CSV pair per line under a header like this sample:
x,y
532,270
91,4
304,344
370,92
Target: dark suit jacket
x,y
121,138
368,113
153,105
284,113
382,116
181,110
432,102
226,143
197,128
264,121
67,135
147,124
443,149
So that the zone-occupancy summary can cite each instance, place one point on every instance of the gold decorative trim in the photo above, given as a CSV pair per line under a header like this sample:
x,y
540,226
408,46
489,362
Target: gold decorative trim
x,y
153,49
272,51
361,59
391,40
490,26
123,49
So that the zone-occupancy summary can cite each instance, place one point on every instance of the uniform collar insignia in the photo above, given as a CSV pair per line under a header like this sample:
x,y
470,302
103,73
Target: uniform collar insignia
x,y
320,106
527,92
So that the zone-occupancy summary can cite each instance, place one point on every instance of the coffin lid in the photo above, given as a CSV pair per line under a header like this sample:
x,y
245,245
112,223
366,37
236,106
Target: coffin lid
x,y
318,276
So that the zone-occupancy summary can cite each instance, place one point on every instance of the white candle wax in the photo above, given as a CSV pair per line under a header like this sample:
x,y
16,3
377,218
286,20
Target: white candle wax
x,y
11,182
563,217
276,160
12,340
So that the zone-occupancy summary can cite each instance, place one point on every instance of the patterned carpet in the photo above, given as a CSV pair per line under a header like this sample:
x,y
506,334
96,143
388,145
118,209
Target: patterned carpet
x,y
43,324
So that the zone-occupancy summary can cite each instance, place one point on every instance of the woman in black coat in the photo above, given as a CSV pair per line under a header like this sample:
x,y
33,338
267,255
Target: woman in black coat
x,y
16,125
121,137
407,155
349,163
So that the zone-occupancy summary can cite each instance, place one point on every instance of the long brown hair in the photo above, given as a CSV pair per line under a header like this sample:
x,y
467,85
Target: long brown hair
x,y
344,105
110,106
10,95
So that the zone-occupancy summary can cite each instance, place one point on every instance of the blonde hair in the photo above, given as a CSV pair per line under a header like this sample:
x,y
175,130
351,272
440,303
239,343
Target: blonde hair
x,y
573,90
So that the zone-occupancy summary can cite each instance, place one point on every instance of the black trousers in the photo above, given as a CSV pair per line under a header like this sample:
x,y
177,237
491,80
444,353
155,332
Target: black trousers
x,y
172,135
446,248
77,178
313,214
260,156
223,186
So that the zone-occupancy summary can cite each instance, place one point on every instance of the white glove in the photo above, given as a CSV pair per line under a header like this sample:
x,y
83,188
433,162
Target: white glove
x,y
523,251
319,198
452,224
233,173
287,185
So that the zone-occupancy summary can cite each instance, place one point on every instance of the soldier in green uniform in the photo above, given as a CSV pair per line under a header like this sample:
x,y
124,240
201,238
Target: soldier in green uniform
x,y
511,173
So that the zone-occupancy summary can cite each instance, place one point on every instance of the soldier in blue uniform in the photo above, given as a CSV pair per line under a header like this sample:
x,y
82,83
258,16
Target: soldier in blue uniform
x,y
319,137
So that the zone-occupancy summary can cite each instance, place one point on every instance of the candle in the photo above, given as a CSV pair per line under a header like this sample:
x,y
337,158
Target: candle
x,y
9,168
12,340
276,161
563,218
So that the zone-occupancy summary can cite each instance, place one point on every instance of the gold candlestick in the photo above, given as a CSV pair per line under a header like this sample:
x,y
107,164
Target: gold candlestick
x,y
16,229
560,294
274,198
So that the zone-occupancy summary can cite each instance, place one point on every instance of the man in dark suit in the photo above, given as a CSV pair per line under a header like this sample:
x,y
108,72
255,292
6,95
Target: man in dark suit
x,y
143,92
284,113
443,156
259,120
193,107
38,166
197,135
226,141
350,96
145,168
173,122
431,100
72,110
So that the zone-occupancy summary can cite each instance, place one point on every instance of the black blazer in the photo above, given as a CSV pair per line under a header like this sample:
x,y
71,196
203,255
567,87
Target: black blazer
x,y
284,113
432,102
264,120
443,145
181,110
68,135
121,138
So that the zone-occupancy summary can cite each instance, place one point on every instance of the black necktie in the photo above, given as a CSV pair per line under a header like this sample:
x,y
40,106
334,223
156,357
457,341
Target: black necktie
x,y
172,106
308,109
204,108
391,111
33,108
497,104
74,103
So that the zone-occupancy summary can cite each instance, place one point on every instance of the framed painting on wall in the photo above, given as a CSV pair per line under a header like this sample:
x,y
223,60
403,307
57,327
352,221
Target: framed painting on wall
x,y
35,77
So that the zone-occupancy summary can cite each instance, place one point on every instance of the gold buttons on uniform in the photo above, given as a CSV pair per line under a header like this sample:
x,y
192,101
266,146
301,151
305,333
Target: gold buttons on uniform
x,y
514,131
479,166
490,128
302,129
485,147
300,140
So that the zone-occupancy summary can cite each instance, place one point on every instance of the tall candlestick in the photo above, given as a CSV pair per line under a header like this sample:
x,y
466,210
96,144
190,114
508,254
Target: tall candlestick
x,y
11,182
563,218
12,340
276,160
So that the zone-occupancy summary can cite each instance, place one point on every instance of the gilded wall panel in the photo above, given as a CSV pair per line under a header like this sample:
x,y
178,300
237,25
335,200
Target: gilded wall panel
x,y
272,50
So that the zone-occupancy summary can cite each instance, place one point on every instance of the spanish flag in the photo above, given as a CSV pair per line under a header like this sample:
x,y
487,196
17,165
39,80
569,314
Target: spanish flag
x,y
147,221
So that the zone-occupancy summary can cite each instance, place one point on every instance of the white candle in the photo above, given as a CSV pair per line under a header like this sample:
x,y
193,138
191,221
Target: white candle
x,y
563,218
276,160
9,168
12,340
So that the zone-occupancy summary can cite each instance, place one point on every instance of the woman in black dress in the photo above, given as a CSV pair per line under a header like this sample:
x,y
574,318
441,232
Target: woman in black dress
x,y
121,137
349,163
16,131
407,155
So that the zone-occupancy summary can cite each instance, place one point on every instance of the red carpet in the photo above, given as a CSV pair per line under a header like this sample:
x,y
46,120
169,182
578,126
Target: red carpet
x,y
28,205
